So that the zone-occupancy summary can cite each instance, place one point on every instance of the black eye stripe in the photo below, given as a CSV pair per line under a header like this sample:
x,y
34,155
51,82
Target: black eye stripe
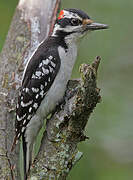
x,y
69,21
75,22
64,22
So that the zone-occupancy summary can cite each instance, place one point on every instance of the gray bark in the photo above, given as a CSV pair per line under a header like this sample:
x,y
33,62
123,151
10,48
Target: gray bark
x,y
32,23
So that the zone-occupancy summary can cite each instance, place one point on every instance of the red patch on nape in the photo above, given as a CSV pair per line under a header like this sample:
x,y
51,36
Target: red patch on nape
x,y
61,15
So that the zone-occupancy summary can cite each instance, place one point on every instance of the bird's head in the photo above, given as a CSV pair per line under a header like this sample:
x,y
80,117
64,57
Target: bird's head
x,y
74,24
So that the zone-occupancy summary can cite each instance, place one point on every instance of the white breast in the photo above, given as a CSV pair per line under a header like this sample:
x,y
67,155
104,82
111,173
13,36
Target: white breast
x,y
57,90
53,96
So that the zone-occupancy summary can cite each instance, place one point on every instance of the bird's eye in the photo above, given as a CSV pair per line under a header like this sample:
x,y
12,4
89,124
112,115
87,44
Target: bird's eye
x,y
75,22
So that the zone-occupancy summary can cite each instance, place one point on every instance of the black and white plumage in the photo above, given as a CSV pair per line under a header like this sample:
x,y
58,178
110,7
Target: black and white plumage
x,y
46,75
38,77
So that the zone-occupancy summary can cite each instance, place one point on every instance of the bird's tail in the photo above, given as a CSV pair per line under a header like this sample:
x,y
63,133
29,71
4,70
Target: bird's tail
x,y
27,157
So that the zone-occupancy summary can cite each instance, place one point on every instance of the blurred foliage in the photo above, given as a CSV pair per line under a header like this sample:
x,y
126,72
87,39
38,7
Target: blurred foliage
x,y
108,155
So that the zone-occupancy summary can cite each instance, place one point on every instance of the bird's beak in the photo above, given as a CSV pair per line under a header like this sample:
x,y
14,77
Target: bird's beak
x,y
90,25
96,26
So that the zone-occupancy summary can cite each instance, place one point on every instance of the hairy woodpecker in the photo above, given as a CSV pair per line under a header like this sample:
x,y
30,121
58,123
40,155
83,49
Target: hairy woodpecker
x,y
46,75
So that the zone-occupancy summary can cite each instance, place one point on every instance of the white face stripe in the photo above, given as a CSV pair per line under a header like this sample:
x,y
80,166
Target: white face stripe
x,y
66,29
70,15
56,27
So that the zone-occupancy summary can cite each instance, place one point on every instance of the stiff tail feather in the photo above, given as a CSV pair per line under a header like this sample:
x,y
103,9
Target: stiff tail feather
x,y
27,157
24,156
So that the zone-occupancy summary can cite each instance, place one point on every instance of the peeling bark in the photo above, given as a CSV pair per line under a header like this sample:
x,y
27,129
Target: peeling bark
x,y
32,22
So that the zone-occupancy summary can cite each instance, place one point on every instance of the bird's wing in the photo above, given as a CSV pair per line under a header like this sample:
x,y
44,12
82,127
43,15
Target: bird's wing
x,y
38,78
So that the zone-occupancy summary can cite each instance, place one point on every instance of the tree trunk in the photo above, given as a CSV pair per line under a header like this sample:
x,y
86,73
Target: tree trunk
x,y
33,22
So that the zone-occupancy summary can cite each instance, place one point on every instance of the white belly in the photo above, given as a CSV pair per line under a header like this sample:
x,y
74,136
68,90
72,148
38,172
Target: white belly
x,y
53,96
57,90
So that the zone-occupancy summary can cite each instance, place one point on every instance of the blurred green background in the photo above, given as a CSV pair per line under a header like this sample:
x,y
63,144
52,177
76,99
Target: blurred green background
x,y
108,155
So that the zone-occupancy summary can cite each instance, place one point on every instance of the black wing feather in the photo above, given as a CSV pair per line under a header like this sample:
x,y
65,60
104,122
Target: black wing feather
x,y
39,76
